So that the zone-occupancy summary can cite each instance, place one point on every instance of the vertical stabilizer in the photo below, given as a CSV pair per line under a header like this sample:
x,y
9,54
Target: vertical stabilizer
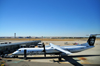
x,y
92,39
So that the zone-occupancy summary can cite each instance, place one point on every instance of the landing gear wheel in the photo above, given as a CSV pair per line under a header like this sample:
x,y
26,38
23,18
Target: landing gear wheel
x,y
15,56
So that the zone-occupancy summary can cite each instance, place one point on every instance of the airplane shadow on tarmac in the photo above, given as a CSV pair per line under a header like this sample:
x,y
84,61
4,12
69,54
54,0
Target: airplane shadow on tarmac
x,y
66,58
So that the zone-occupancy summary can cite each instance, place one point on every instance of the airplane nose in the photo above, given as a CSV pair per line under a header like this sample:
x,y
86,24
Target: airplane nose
x,y
14,52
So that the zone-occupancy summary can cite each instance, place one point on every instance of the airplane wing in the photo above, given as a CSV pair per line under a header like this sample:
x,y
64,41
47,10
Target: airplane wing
x,y
59,49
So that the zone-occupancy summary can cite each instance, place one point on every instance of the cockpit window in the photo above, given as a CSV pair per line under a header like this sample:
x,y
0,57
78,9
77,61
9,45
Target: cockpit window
x,y
19,50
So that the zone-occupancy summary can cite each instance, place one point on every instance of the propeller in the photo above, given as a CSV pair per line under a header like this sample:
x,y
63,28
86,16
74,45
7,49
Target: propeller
x,y
44,50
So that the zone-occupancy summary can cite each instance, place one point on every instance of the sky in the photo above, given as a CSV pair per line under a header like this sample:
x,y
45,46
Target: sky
x,y
72,18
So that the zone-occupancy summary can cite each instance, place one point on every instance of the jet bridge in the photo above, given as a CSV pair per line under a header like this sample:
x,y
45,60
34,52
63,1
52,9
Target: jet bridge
x,y
9,48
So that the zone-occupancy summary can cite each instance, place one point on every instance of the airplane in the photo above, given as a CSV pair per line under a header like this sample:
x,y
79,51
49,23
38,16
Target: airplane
x,y
55,49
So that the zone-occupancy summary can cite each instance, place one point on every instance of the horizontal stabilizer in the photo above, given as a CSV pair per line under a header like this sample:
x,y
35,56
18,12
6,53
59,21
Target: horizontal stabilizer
x,y
94,34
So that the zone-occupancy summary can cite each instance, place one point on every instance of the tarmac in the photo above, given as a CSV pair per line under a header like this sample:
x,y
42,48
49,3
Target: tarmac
x,y
90,57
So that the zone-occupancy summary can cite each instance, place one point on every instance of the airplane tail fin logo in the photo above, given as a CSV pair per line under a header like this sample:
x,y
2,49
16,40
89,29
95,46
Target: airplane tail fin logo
x,y
92,39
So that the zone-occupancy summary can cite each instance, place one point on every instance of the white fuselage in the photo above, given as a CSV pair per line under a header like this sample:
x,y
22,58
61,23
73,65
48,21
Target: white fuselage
x,y
50,50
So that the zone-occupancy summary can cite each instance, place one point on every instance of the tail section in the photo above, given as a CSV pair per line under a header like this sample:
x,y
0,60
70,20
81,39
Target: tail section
x,y
92,39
